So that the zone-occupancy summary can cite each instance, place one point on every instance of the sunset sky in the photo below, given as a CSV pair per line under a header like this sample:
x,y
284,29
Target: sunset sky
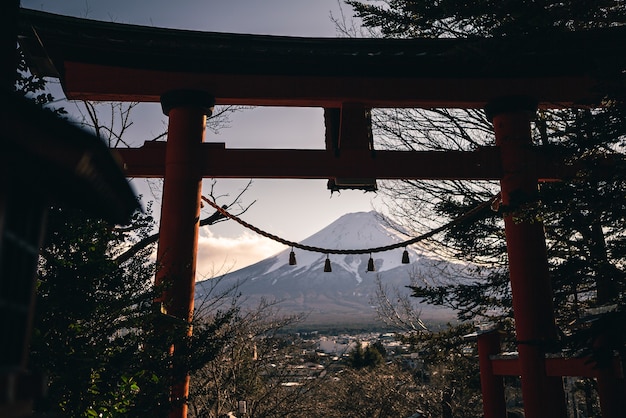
x,y
292,209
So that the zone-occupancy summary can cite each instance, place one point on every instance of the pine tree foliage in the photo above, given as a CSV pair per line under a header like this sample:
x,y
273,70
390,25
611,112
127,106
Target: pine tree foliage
x,y
458,18
96,334
583,216
369,356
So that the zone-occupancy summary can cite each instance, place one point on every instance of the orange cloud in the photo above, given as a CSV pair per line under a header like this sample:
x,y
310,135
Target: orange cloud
x,y
221,255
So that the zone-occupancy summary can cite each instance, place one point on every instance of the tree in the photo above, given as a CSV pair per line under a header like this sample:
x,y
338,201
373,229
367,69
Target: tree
x,y
84,302
32,86
388,391
450,374
368,357
262,366
96,332
583,217
456,18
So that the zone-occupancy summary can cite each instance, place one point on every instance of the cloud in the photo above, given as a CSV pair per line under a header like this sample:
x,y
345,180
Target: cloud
x,y
221,255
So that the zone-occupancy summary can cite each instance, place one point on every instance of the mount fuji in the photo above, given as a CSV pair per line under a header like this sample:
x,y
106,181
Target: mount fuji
x,y
347,294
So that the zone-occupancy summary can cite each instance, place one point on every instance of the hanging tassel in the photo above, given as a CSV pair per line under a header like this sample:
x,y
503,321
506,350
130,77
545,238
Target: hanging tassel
x,y
405,257
370,264
327,268
292,258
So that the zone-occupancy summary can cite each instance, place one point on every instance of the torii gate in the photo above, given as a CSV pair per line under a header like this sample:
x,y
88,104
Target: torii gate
x,y
189,72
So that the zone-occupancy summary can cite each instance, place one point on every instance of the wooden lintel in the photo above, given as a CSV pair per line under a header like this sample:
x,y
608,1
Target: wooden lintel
x,y
584,367
84,81
219,162
556,366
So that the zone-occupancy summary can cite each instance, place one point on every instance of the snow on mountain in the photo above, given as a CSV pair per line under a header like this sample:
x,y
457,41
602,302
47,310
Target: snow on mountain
x,y
348,292
361,230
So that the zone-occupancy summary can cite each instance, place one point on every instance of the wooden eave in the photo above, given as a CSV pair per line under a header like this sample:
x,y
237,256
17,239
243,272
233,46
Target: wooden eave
x,y
111,61
63,163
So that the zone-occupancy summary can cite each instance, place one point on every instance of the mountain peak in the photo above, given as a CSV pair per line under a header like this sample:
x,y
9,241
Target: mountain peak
x,y
357,230
349,287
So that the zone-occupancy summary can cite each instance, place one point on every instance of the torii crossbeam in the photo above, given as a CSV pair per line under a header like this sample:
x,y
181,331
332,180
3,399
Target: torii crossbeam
x,y
189,72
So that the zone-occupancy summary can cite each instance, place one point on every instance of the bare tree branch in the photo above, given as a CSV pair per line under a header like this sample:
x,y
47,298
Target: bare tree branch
x,y
395,309
212,219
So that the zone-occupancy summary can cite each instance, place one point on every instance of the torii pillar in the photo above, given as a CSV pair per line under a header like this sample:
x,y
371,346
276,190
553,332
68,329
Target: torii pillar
x,y
180,217
533,310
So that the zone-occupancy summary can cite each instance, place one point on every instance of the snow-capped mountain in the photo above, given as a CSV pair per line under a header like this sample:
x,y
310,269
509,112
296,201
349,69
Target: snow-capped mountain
x,y
347,293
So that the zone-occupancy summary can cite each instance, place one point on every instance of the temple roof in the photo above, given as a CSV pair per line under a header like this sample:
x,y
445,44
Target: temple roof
x,y
63,162
110,61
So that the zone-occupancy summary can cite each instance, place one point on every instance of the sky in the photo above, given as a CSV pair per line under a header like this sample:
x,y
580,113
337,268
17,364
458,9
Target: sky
x,y
291,209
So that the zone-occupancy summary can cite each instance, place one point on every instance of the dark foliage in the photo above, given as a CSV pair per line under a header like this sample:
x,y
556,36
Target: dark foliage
x,y
458,18
583,216
96,334
33,86
368,357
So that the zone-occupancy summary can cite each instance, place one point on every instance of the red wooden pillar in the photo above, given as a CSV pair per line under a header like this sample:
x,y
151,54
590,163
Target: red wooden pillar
x,y
180,214
492,386
543,396
610,386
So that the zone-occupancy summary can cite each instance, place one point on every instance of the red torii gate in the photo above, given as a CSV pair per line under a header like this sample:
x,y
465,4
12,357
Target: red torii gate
x,y
189,72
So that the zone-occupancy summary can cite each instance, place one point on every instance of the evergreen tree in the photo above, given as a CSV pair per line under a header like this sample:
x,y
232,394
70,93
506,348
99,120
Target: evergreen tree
x,y
368,357
88,311
96,334
583,216
458,18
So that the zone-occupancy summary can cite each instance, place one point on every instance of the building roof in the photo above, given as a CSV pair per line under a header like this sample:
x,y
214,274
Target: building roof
x,y
110,61
63,162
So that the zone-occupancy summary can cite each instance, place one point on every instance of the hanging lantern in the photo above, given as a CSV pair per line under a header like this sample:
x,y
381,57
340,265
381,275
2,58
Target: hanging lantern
x,y
292,258
327,268
405,257
370,264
